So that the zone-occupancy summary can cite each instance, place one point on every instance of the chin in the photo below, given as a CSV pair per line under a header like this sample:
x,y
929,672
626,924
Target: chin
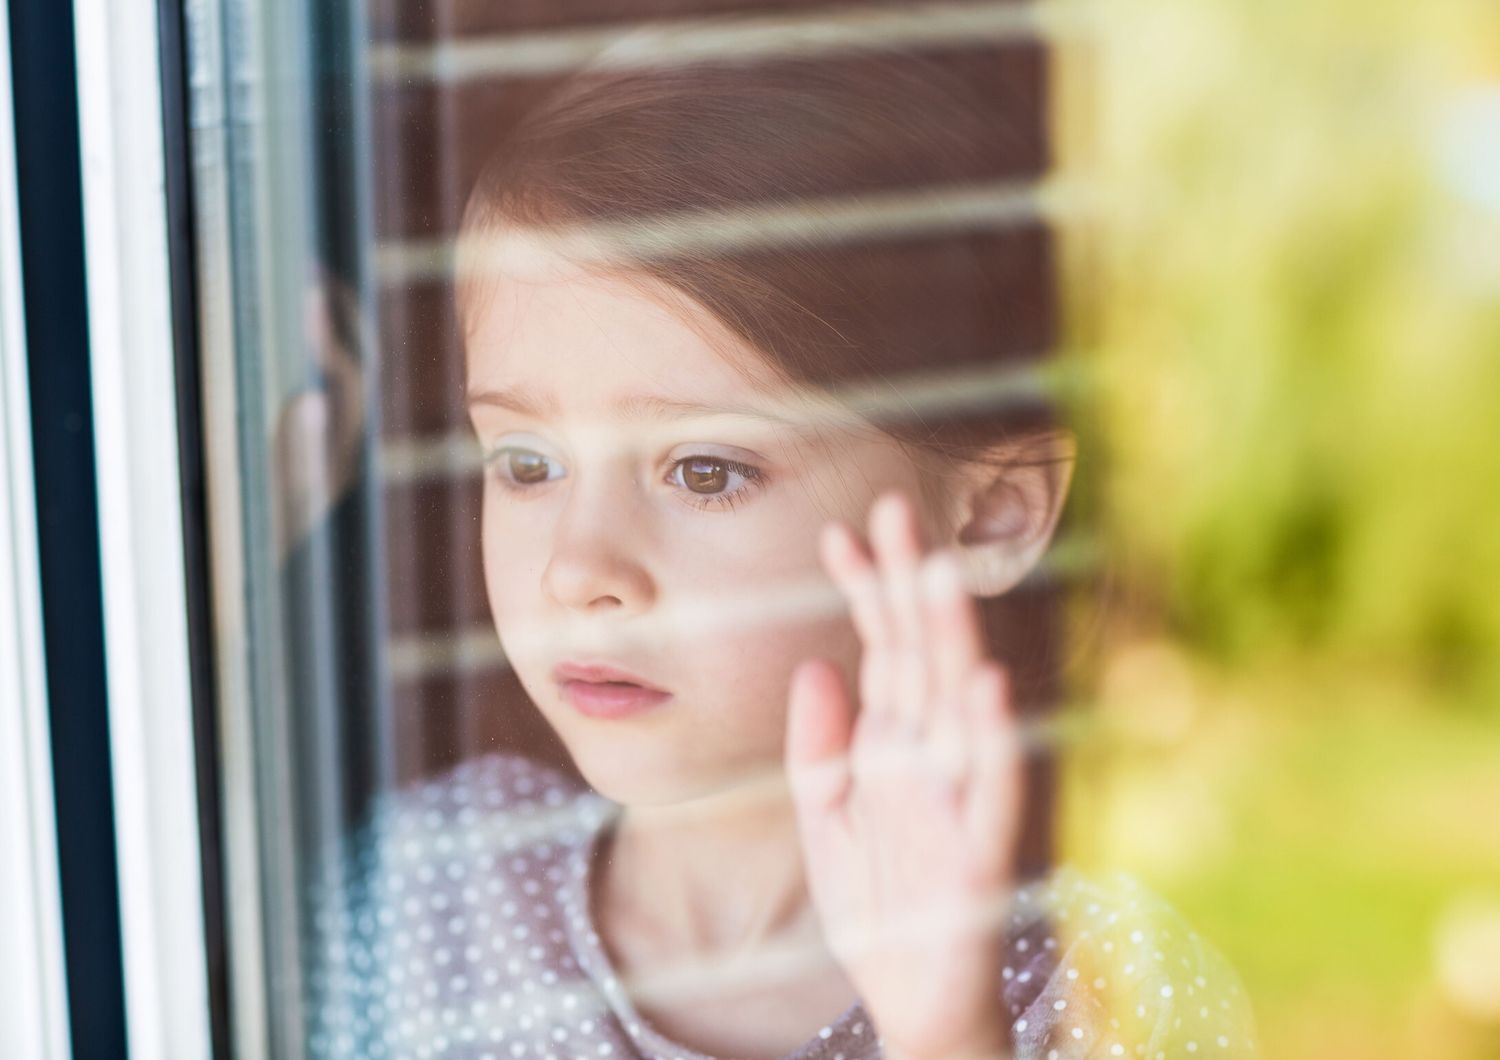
x,y
637,791
643,784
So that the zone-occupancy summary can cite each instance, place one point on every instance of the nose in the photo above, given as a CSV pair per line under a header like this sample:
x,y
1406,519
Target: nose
x,y
595,564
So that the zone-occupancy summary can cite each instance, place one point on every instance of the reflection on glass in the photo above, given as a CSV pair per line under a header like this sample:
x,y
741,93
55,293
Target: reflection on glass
x,y
757,354
585,689
541,348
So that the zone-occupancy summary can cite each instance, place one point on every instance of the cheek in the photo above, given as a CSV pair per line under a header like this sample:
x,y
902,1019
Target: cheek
x,y
746,554
742,684
749,576
768,655
755,579
514,558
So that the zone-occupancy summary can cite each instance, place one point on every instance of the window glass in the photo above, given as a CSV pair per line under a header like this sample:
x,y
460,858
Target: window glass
x,y
748,528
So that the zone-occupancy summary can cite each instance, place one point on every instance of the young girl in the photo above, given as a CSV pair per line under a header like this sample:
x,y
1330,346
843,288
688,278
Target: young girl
x,y
745,374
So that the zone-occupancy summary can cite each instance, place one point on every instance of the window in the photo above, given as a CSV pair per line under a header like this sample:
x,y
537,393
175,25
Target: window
x,y
703,528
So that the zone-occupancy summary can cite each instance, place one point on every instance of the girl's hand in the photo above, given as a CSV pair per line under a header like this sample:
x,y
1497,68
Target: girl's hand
x,y
320,428
909,812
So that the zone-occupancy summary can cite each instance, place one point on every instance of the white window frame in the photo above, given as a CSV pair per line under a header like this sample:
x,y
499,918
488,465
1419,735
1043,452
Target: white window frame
x,y
134,392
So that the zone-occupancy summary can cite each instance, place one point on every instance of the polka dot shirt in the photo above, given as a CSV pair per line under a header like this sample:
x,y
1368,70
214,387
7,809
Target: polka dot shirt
x,y
456,924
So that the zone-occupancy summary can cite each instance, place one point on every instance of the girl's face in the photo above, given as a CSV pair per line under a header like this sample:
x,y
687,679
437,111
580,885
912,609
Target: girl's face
x,y
651,515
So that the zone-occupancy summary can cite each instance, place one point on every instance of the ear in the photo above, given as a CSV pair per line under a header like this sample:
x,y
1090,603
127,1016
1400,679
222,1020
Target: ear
x,y
1006,504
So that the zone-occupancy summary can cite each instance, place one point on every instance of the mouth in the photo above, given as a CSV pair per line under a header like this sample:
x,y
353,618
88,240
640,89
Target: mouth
x,y
600,691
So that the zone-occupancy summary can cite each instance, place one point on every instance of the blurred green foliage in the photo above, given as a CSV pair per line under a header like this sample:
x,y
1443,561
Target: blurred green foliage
x,y
1301,335
1289,288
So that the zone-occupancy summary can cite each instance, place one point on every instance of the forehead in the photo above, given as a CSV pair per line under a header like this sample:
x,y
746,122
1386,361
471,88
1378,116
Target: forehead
x,y
584,338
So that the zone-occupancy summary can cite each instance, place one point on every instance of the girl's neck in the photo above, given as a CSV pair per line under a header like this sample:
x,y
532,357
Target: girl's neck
x,y
706,918
715,878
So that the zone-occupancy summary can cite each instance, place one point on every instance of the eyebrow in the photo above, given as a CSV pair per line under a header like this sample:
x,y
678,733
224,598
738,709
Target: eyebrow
x,y
632,407
515,399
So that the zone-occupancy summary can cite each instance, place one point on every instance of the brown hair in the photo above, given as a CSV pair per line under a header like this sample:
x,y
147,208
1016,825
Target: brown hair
x,y
697,143
704,151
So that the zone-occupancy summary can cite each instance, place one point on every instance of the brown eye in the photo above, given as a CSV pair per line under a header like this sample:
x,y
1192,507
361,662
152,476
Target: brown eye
x,y
704,476
715,481
527,467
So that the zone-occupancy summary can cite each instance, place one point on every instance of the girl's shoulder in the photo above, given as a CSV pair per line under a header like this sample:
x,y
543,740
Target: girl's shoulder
x,y
1125,975
496,781
492,814
399,904
496,802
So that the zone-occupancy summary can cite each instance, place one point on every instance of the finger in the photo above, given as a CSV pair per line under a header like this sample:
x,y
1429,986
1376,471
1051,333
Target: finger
x,y
897,544
954,639
852,569
820,721
330,319
994,792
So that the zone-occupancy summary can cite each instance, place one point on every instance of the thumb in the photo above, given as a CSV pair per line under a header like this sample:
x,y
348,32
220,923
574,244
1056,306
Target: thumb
x,y
820,723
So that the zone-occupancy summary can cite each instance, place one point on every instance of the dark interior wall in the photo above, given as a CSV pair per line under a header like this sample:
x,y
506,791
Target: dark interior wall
x,y
430,141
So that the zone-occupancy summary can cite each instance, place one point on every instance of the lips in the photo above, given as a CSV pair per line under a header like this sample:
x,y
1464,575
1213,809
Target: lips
x,y
601,691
